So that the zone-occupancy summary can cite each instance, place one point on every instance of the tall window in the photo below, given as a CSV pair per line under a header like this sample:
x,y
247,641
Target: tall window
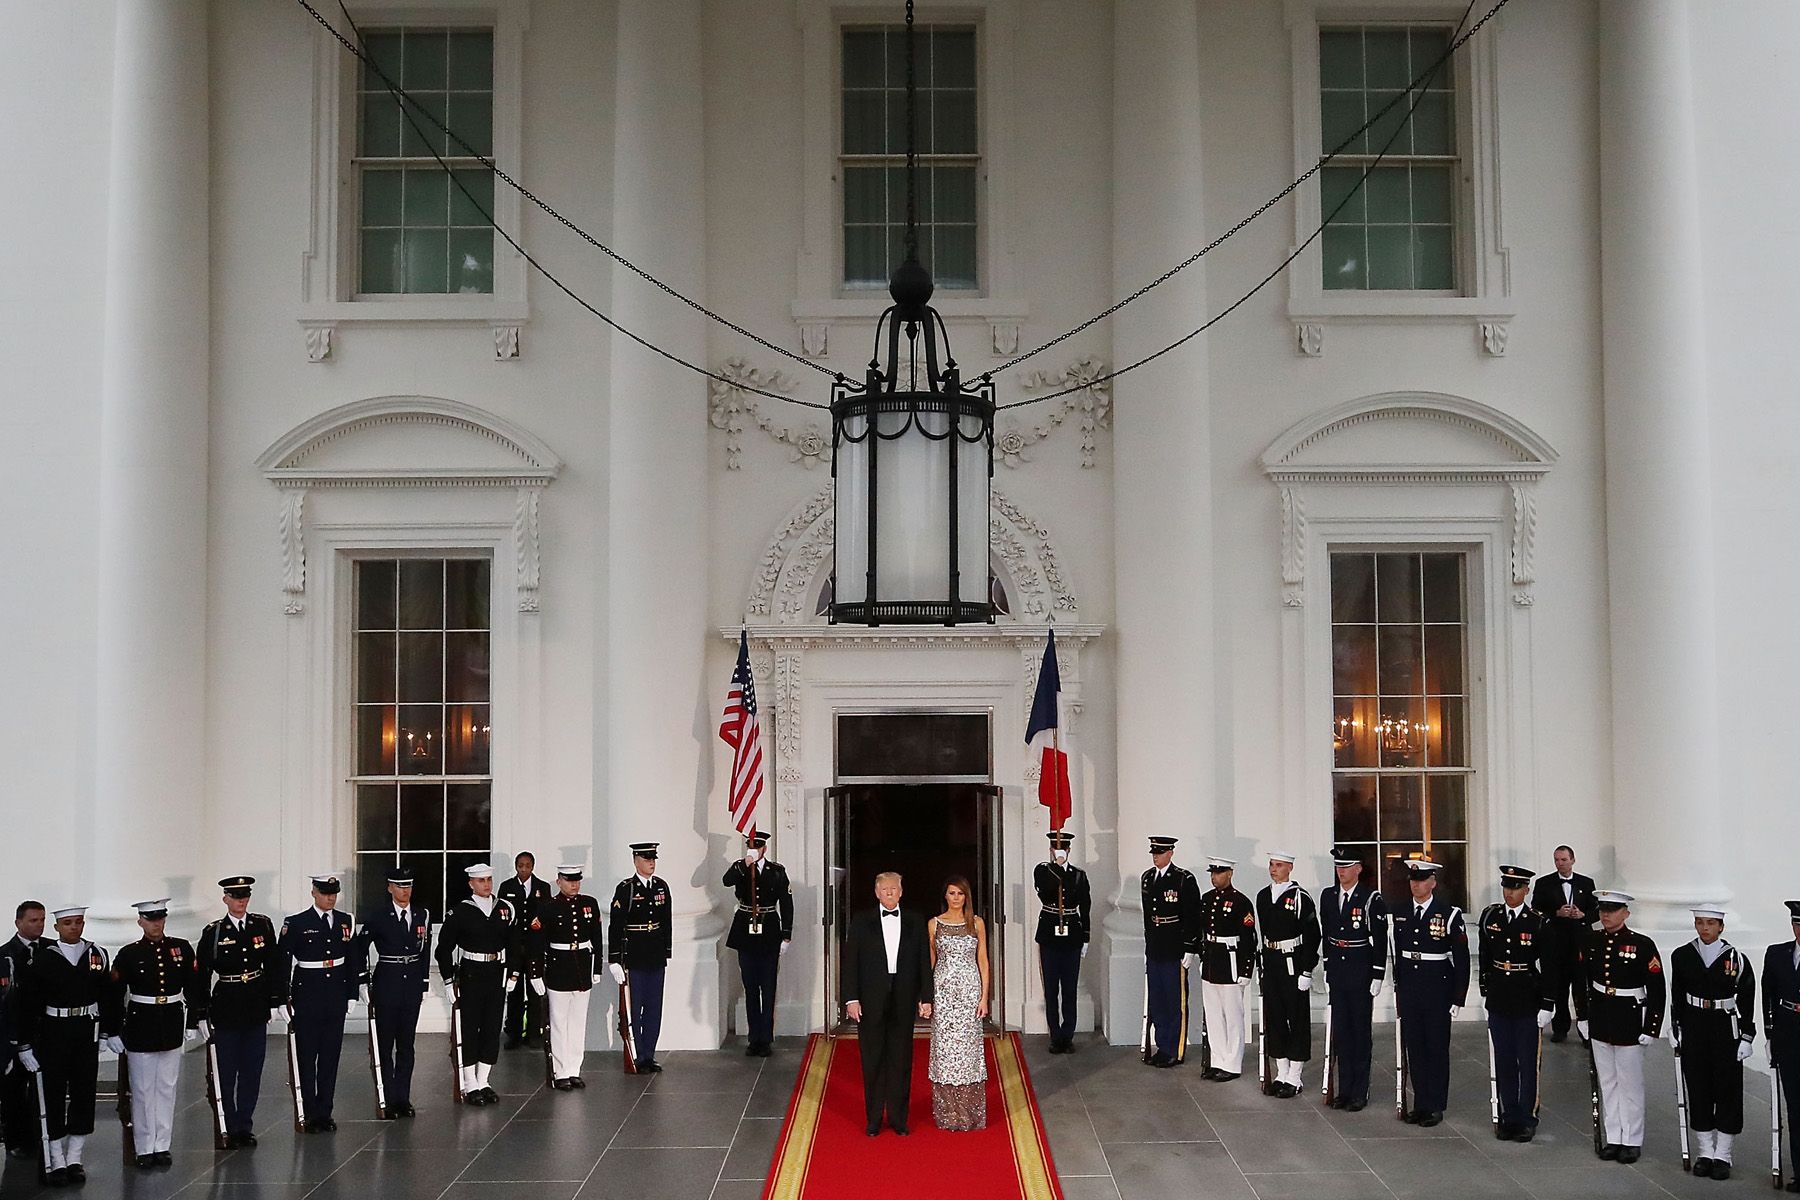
x,y
418,232
872,158
424,787
1398,231
1400,769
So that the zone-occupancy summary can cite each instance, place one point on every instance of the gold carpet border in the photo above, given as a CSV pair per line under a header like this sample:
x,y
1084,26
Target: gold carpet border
x,y
789,1176
1029,1158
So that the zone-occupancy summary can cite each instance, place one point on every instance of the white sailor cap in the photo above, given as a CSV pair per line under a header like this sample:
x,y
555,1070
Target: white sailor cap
x,y
570,871
1715,911
151,910
1614,899
1285,856
74,910
1215,863
1422,867
326,883
479,871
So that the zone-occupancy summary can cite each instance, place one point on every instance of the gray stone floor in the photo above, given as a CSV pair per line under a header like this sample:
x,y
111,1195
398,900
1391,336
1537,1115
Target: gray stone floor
x,y
706,1129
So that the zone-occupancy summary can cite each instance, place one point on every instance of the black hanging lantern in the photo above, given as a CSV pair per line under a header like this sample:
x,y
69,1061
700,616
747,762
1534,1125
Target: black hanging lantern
x,y
912,456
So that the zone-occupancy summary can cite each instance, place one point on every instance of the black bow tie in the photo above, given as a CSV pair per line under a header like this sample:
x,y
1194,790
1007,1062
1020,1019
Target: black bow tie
x,y
890,912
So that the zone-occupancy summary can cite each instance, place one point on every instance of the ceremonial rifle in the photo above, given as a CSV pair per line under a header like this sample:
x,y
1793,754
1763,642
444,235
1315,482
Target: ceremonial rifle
x,y
1327,1085
293,1073
214,1100
381,1106
456,1038
1681,1100
123,1107
1774,1120
1493,1086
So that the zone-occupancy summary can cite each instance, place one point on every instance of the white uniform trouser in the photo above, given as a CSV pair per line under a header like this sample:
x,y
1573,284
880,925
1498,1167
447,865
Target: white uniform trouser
x,y
1224,1007
1621,1072
154,1074
1709,1143
475,1076
568,1032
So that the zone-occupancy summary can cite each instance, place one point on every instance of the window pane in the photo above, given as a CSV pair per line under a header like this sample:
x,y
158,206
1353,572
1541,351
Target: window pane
x,y
380,198
865,116
472,261
1431,130
1443,587
953,195
375,739
1448,812
371,883
1433,263
421,668
1354,728
954,264
428,882
1443,660
1343,185
420,744
469,820
375,668
424,62
1384,57
466,667
863,58
1340,124
1353,660
1353,588
1403,732
1402,657
421,593
1453,887
375,816
1387,125
466,593
1390,258
375,595
1343,255
456,883
1353,808
953,58
1396,587
1428,45
472,61
422,816
1393,874
1390,200
1402,807
865,255
1447,741
426,252
466,739
952,123
380,126
1431,194
896,196
471,118
426,198
424,131
478,184
1340,58
384,50
382,267
865,195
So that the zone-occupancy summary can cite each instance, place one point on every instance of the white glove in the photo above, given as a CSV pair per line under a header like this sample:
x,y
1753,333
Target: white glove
x,y
1581,1027
204,1030
287,1010
1187,961
785,947
362,992
116,1044
618,972
512,981
1375,987
188,1035
750,858
1544,1018
1454,1009
28,1060
1305,983
537,985
1084,947
1744,1050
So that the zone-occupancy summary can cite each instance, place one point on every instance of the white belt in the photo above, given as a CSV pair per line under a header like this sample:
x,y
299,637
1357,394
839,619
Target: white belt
x,y
139,998
1286,945
1349,943
1423,956
1216,940
323,962
1632,993
469,956
401,959
571,946
246,977
85,1010
1062,912
1728,1004
1511,967
1165,920
762,910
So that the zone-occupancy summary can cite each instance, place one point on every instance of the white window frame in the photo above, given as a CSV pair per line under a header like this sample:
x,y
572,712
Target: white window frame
x,y
1484,274
329,264
989,316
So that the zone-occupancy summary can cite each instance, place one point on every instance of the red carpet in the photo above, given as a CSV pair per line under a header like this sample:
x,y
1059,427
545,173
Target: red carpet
x,y
825,1153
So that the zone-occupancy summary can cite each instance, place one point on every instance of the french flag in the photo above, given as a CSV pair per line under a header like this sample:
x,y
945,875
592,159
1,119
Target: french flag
x,y
1043,738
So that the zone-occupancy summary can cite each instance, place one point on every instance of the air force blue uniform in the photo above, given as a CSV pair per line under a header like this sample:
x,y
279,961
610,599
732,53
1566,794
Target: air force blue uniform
x,y
1431,976
1355,936
397,987
327,973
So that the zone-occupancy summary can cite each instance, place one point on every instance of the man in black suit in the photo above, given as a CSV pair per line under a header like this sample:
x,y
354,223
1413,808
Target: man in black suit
x,y
1567,900
1781,1017
18,1112
886,980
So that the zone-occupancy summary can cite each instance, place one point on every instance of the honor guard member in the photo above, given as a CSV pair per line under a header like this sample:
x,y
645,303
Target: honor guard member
x,y
1065,902
1712,1007
762,929
1353,924
1171,897
1619,1008
1431,984
1781,1017
63,1000
328,974
18,1110
566,960
524,891
1227,960
479,950
1512,973
642,939
152,978
400,934
242,981
1289,923
1566,899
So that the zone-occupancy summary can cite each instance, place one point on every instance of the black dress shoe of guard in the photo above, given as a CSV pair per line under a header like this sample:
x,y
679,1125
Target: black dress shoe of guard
x,y
146,1161
578,1081
327,1126
1609,1152
1226,1076
1356,1106
164,1158
1524,1133
77,1173
1721,1169
1561,1035
873,1129
1793,1185
1629,1154
1411,1117
407,1110
1427,1120
56,1178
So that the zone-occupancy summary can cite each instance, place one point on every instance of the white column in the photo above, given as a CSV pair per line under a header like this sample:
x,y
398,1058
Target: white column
x,y
1162,501
660,714
1659,545
150,649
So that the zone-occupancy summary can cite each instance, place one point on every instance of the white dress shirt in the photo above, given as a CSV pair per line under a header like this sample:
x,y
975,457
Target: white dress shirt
x,y
890,938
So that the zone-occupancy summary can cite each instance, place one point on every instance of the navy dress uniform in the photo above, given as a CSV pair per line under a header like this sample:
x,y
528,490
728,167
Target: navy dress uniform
x,y
1431,981
641,933
1781,1017
319,946
399,932
1712,1007
1353,927
18,1111
153,979
1619,1005
1227,961
1288,920
1515,967
1171,898
762,929
242,979
64,999
1065,904
478,948
566,958
524,894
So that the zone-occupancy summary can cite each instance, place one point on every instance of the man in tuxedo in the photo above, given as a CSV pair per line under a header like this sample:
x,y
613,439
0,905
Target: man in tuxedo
x,y
1567,900
886,981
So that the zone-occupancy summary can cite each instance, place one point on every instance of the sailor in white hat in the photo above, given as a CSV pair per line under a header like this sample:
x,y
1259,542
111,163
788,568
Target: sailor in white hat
x,y
567,956
158,975
1713,1009
1289,923
67,998
478,952
1227,960
1619,1006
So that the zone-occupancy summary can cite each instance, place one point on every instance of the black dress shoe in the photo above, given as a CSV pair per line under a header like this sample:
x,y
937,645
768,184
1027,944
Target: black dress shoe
x,y
56,1178
327,1126
902,1131
1288,1091
77,1173
1524,1133
1629,1154
1338,1102
164,1159
652,1066
246,1139
146,1161
1427,1120
1411,1116
1164,1062
577,1082
562,1085
1609,1152
1721,1169
1793,1185
1210,1073
1356,1106
1701,1167
1561,1035
1225,1076
1504,1132
407,1110
873,1130
750,1050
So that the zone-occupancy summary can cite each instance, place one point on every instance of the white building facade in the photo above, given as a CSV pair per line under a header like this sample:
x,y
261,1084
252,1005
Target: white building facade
x,y
333,532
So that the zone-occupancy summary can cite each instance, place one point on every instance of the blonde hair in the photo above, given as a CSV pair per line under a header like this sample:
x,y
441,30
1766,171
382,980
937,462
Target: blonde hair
x,y
885,876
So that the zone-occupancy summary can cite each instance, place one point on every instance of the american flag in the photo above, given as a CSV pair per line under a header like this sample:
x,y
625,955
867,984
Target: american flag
x,y
740,730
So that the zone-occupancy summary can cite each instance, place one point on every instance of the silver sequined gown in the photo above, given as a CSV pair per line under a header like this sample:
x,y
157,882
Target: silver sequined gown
x,y
958,1058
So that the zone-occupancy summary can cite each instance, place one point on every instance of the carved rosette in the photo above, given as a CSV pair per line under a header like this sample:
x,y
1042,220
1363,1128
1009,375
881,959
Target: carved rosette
x,y
734,409
1091,404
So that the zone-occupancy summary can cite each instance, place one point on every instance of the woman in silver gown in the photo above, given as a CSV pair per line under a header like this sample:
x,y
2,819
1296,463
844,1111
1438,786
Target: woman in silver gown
x,y
959,964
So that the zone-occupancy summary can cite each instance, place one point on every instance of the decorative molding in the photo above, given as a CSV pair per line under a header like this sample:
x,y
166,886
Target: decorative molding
x,y
776,553
1493,337
1293,547
1004,336
815,338
1309,338
318,342
1062,596
293,550
1523,542
506,342
1527,452
787,674
525,541
1093,400
733,405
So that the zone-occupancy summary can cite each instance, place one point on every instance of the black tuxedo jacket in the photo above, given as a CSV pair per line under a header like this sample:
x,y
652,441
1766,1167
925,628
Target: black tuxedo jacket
x,y
1547,897
865,974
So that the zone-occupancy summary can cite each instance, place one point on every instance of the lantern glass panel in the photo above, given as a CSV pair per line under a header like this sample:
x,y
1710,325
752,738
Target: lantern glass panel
x,y
912,528
852,513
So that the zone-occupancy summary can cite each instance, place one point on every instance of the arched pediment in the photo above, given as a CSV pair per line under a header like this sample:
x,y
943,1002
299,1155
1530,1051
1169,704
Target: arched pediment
x,y
799,556
400,440
1405,435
